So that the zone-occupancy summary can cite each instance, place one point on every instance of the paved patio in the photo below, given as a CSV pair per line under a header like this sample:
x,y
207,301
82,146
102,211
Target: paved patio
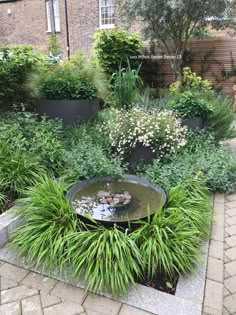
x,y
28,293
220,289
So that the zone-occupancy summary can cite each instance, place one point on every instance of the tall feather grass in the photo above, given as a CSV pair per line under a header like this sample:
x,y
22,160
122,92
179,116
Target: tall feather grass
x,y
126,84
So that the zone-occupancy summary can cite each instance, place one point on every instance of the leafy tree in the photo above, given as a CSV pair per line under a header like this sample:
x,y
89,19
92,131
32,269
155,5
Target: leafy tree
x,y
177,20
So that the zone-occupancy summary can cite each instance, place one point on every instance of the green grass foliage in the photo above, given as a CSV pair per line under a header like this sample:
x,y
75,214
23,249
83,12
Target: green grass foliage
x,y
111,259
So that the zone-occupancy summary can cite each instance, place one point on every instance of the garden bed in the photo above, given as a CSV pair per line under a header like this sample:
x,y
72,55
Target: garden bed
x,y
189,290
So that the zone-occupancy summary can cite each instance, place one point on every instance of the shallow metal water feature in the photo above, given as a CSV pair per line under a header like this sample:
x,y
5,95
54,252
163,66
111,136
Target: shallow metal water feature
x,y
110,200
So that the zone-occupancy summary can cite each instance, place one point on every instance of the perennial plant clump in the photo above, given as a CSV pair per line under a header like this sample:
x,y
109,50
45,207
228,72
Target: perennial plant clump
x,y
159,130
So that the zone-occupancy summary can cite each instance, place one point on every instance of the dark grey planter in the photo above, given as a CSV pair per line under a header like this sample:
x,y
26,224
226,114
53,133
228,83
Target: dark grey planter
x,y
68,110
193,123
141,154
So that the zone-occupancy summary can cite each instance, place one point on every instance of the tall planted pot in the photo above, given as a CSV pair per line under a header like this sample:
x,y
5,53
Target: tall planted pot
x,y
69,110
193,123
141,154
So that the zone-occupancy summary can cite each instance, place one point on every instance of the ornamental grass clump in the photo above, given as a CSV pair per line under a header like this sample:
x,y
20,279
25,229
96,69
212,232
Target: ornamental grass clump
x,y
106,259
192,199
47,222
112,259
169,242
161,131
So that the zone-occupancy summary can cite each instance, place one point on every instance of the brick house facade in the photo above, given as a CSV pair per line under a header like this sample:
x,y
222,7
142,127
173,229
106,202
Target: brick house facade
x,y
25,22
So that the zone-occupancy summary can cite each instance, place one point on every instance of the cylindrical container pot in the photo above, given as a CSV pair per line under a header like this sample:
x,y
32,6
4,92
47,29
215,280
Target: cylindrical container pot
x,y
193,123
141,154
68,110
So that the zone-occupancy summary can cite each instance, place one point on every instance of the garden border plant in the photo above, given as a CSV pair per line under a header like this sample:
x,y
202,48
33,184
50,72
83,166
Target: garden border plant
x,y
52,236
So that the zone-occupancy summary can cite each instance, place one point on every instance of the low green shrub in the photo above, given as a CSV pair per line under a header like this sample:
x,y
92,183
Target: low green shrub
x,y
17,63
86,159
190,104
3,196
48,221
18,169
114,47
161,131
219,120
65,82
214,162
93,72
191,82
107,259
34,135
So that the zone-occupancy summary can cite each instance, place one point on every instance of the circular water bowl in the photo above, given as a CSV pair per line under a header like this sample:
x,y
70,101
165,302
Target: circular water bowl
x,y
128,199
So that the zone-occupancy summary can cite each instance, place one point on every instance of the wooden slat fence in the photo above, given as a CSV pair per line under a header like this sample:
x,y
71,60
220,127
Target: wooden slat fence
x,y
207,57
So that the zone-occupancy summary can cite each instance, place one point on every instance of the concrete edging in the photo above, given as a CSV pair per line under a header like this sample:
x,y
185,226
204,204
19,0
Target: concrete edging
x,y
187,300
9,221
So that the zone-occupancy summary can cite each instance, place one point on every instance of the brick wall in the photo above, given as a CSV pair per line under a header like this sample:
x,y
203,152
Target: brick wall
x,y
27,23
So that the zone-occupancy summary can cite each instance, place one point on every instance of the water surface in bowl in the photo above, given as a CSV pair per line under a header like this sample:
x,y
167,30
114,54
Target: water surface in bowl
x,y
86,201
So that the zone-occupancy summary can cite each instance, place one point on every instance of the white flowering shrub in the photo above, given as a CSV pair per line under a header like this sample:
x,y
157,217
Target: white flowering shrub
x,y
159,130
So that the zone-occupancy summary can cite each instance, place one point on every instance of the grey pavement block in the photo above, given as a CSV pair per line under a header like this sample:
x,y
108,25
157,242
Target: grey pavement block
x,y
10,309
39,282
102,304
215,269
48,300
192,286
3,235
64,308
32,305
214,294
14,273
216,249
9,222
69,292
159,303
217,233
16,294
11,256
10,219
129,310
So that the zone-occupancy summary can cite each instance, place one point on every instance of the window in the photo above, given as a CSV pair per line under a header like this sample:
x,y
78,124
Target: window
x,y
53,16
227,12
107,13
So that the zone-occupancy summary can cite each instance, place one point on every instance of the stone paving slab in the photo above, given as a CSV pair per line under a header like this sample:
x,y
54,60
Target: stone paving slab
x,y
102,304
39,282
161,302
32,305
10,309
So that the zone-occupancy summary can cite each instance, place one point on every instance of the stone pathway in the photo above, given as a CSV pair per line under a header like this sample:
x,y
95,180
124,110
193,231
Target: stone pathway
x,y
27,293
220,289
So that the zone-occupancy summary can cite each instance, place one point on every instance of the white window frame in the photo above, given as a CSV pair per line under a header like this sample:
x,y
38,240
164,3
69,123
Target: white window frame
x,y
212,18
56,16
104,26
